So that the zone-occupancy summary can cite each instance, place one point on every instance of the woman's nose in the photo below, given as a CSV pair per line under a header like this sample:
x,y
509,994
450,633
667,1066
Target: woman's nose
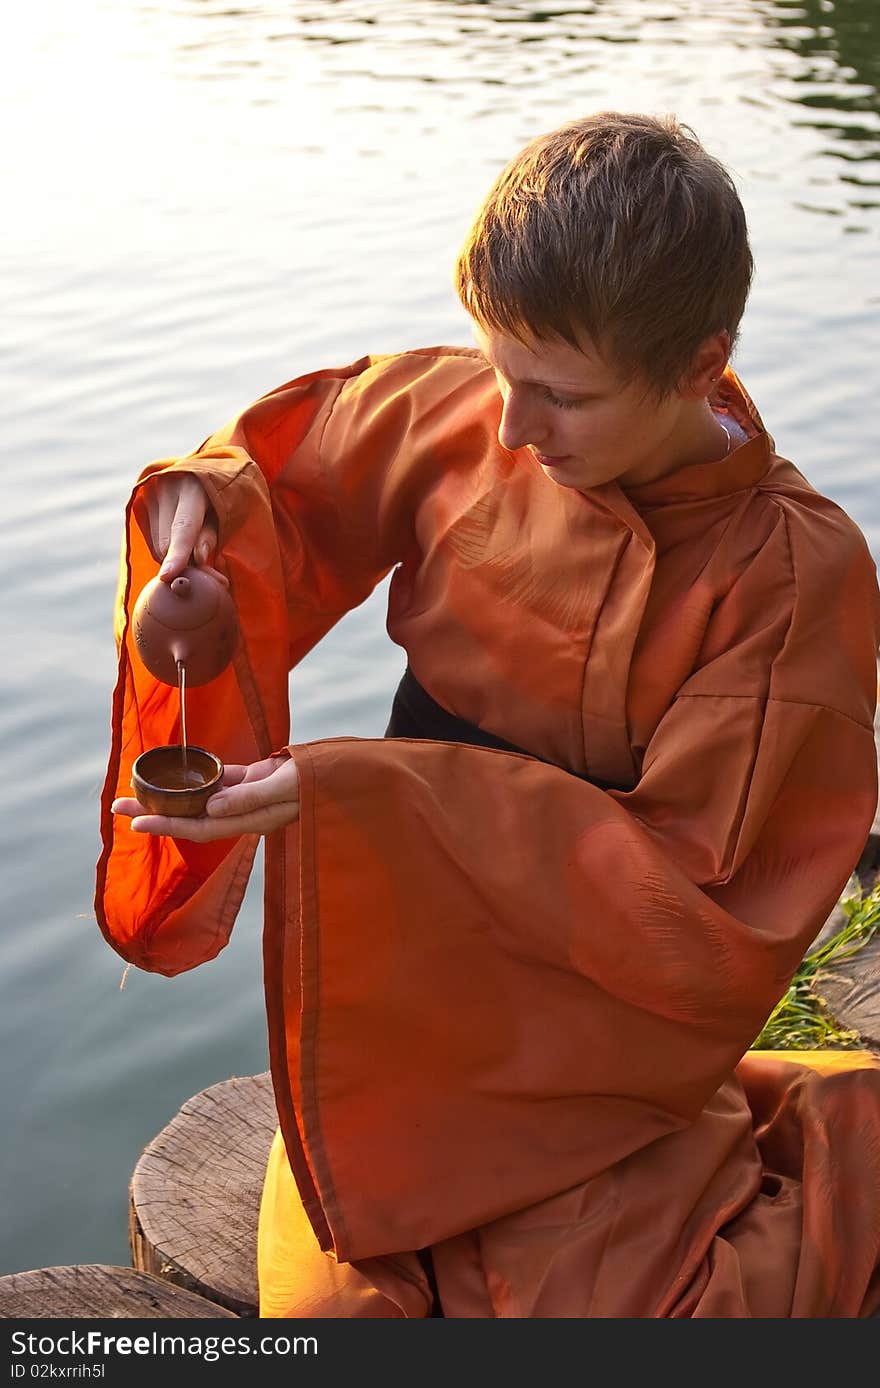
x,y
518,426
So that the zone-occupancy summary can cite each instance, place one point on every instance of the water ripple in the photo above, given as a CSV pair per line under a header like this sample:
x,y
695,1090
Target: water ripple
x,y
235,195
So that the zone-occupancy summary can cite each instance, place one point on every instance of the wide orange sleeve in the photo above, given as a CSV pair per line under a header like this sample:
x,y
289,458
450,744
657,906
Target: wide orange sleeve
x,y
494,980
305,536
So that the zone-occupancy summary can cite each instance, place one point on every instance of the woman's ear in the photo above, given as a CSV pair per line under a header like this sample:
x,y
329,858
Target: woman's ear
x,y
707,366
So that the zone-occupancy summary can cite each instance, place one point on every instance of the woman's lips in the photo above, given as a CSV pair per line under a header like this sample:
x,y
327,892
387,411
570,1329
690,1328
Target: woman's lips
x,y
546,461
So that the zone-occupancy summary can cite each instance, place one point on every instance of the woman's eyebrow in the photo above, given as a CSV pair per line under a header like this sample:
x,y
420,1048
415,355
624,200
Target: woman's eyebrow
x,y
557,385
548,385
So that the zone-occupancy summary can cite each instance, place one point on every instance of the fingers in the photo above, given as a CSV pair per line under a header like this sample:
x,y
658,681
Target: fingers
x,y
184,529
183,525
160,498
233,775
206,544
166,506
199,829
215,573
257,792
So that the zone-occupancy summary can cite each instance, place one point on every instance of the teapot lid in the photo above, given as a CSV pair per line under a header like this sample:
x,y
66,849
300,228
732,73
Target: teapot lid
x,y
191,600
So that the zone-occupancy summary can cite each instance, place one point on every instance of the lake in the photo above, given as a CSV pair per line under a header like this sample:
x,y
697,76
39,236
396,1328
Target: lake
x,y
204,201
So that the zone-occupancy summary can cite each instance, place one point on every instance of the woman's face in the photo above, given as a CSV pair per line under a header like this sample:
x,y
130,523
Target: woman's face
x,y
583,425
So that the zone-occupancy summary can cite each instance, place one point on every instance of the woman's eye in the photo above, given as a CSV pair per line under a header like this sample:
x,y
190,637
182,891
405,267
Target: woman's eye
x,y
561,401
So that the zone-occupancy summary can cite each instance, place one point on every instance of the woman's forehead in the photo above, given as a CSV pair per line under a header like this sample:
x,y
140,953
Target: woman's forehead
x,y
534,361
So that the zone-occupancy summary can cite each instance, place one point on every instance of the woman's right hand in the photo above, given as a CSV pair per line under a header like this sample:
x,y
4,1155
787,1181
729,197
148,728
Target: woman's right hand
x,y
182,524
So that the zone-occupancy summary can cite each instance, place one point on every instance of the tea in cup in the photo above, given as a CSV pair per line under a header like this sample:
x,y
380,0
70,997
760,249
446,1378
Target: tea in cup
x,y
175,780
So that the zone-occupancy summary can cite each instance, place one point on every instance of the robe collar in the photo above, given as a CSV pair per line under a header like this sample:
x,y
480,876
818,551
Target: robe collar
x,y
609,752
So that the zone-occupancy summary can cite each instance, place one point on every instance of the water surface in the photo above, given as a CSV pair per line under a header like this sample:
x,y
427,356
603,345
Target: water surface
x,y
204,201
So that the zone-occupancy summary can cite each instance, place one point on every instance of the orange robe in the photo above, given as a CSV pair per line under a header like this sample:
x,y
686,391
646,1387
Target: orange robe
x,y
507,1008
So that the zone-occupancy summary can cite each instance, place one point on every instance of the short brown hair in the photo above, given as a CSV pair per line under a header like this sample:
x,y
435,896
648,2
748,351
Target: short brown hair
x,y
620,226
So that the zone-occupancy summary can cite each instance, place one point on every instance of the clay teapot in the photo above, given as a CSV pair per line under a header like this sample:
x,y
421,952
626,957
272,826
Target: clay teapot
x,y
193,620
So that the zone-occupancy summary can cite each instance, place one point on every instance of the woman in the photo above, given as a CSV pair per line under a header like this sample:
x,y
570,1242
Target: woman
x,y
515,951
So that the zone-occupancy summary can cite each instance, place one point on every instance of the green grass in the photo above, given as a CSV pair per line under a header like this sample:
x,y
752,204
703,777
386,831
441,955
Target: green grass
x,y
800,1021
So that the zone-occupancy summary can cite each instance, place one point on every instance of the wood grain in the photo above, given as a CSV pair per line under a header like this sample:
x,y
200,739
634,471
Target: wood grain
x,y
98,1290
195,1193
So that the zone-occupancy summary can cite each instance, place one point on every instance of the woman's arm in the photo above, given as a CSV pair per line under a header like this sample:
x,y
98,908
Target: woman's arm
x,y
303,536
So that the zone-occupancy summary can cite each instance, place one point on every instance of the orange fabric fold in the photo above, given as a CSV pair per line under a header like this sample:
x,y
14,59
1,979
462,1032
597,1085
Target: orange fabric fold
x,y
508,1009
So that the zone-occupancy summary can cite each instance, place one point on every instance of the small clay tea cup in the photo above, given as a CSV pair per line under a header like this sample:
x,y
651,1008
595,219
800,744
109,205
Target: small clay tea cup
x,y
162,786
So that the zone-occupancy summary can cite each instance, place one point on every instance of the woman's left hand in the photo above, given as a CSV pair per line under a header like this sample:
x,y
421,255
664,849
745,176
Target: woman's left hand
x,y
254,799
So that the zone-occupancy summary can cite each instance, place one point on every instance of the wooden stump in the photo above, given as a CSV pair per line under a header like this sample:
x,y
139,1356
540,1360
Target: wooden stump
x,y
868,866
851,987
195,1193
98,1290
851,990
